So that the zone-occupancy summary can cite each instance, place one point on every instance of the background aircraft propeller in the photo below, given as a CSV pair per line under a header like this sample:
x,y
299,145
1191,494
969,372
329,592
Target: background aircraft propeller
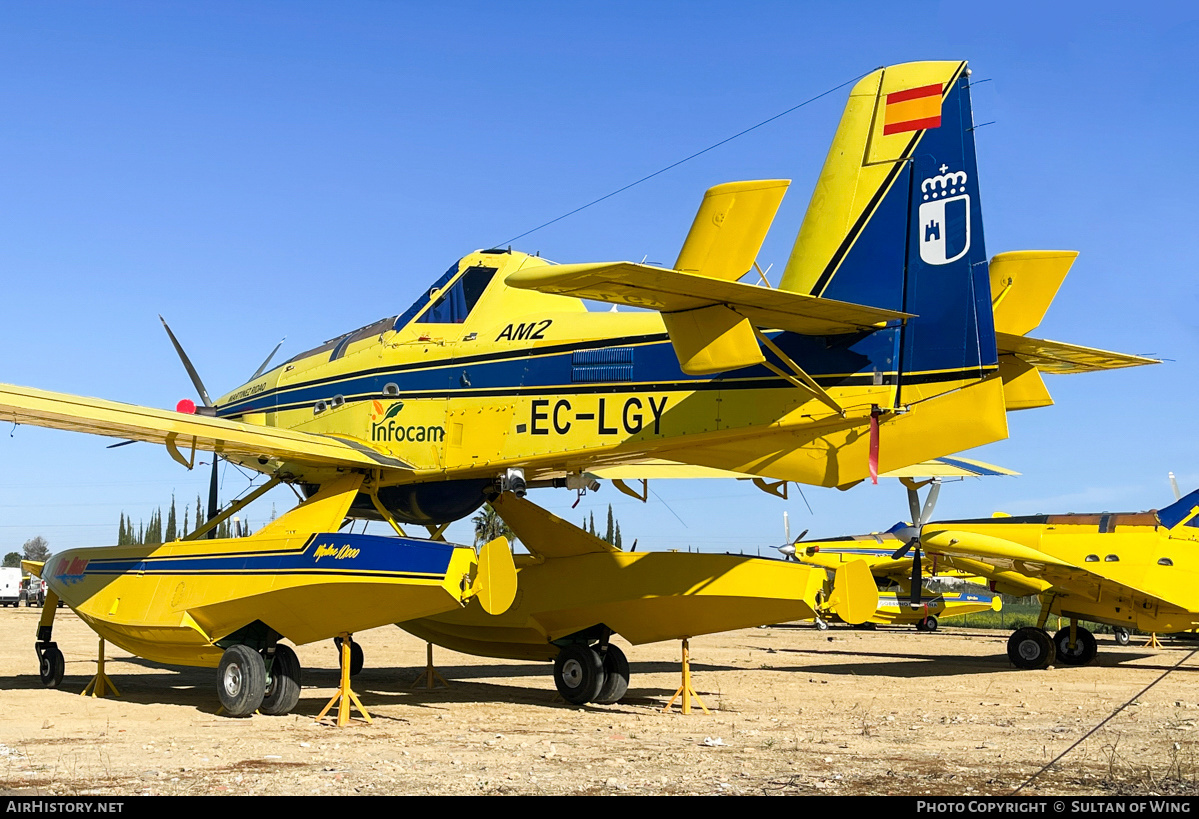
x,y
911,534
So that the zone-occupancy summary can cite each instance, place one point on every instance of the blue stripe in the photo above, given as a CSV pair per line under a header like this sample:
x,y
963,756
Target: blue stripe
x,y
333,553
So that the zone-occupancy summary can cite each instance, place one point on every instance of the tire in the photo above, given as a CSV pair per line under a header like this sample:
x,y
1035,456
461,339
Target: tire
x,y
357,658
931,623
821,625
1085,647
1122,635
51,667
578,674
241,681
616,677
1030,648
283,690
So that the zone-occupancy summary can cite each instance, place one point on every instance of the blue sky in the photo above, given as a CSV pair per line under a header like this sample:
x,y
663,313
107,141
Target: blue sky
x,y
259,169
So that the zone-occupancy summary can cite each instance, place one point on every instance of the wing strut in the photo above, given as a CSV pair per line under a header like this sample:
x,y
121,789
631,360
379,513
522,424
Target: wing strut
x,y
800,379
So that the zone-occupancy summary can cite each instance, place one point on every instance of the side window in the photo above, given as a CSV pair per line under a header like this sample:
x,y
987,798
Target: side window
x,y
454,304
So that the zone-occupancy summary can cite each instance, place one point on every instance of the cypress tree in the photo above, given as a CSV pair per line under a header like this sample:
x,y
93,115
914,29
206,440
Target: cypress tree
x,y
171,532
610,535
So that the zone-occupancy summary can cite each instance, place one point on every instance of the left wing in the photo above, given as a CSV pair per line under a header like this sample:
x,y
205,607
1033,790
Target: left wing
x,y
1059,358
180,432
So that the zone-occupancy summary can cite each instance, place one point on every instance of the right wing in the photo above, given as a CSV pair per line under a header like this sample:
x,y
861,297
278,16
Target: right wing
x,y
179,431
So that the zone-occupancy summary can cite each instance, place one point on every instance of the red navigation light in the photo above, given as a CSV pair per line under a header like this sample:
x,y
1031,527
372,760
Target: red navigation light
x,y
186,406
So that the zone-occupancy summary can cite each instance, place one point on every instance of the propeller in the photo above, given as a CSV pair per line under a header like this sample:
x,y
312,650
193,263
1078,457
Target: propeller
x,y
911,534
788,547
213,494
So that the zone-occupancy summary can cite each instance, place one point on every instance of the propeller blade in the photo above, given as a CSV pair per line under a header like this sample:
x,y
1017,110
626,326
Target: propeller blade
x,y
786,528
917,579
902,550
1174,486
929,503
191,371
262,368
914,506
214,506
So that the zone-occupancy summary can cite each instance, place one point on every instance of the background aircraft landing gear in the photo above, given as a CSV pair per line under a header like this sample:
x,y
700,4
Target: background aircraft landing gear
x,y
1030,647
1085,646
241,680
51,664
579,673
821,625
283,689
1123,636
356,656
929,623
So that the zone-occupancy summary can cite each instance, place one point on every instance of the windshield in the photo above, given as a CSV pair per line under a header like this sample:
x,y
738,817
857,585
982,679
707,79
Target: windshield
x,y
1173,514
403,318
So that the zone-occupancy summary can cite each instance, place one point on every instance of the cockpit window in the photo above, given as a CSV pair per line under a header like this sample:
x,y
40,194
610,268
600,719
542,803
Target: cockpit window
x,y
1176,512
454,304
403,318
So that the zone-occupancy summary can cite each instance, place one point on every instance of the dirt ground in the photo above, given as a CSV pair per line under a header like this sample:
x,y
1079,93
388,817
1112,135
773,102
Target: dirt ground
x,y
794,710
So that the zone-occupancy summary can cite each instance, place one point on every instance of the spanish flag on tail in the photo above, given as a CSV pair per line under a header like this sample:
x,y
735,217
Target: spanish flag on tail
x,y
913,110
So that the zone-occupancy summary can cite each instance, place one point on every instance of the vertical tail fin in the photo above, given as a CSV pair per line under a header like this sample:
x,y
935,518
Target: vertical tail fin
x,y
895,223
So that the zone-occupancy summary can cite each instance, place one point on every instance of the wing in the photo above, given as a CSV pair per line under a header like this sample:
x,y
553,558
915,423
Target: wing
x,y
657,468
999,559
178,431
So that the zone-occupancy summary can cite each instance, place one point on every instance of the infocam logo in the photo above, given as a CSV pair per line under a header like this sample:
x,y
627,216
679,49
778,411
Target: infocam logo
x,y
386,429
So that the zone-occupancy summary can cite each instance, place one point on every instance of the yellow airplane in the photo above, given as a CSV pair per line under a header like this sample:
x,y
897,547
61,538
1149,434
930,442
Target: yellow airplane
x,y
1127,570
228,603
889,340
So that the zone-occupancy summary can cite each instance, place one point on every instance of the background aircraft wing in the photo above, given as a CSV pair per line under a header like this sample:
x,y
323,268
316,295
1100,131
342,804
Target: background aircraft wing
x,y
181,432
673,291
657,468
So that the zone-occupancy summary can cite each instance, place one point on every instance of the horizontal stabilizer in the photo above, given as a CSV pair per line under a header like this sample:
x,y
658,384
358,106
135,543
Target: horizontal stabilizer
x,y
671,291
1059,358
181,432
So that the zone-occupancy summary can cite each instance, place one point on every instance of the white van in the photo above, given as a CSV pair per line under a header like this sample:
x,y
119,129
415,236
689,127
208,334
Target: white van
x,y
10,586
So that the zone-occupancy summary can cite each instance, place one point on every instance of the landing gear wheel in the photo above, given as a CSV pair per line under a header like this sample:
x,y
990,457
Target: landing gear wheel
x,y
1123,636
929,623
578,674
616,677
356,657
283,690
1030,647
51,667
821,625
1085,647
867,626
241,681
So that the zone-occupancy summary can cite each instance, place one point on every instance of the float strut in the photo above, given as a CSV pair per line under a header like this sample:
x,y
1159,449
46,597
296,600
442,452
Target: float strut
x,y
96,687
345,696
429,677
686,692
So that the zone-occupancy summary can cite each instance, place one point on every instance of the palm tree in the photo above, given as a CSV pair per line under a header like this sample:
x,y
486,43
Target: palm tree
x,y
489,525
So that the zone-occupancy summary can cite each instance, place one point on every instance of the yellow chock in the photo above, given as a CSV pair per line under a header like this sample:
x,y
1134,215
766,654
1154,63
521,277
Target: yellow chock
x,y
686,692
429,677
98,683
345,696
